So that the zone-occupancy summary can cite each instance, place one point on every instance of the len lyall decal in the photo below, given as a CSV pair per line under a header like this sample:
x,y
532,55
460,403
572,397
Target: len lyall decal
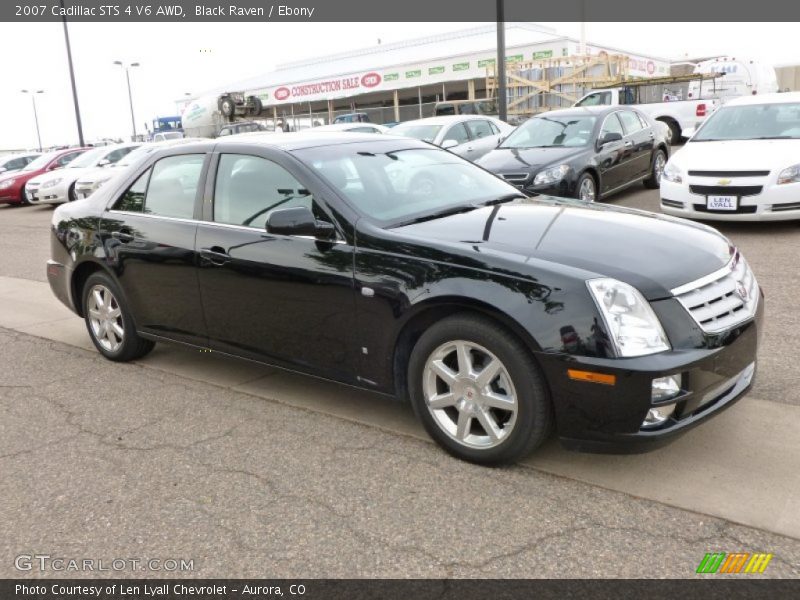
x,y
734,562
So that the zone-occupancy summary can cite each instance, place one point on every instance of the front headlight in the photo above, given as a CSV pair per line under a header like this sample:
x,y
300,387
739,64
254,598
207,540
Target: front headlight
x,y
789,175
633,326
551,175
6,184
672,173
51,182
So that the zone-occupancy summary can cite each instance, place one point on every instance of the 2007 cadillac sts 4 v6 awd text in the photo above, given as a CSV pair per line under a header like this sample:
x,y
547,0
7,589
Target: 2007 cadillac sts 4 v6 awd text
x,y
392,265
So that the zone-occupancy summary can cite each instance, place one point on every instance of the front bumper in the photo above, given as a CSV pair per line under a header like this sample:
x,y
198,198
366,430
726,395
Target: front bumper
x,y
773,203
56,194
608,418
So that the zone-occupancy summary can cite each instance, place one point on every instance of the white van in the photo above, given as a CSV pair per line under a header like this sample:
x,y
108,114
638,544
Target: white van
x,y
739,78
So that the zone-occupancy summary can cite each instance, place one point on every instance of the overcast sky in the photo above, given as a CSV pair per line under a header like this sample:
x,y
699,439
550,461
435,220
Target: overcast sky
x,y
192,57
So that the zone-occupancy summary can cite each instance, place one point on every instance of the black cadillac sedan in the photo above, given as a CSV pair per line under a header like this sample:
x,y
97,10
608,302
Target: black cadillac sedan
x,y
389,264
587,153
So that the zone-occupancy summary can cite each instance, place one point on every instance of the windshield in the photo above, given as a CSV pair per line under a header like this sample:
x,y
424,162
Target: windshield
x,y
135,156
87,159
426,133
41,162
752,122
550,131
395,184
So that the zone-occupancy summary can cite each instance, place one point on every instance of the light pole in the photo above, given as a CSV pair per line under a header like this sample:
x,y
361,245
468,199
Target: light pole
x,y
35,115
130,96
502,97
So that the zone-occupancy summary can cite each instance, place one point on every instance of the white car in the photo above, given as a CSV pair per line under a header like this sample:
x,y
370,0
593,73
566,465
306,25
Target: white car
x,y
354,127
59,186
469,136
15,162
91,179
743,164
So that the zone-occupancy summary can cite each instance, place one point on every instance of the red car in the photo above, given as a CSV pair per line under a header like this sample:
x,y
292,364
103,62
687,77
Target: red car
x,y
12,185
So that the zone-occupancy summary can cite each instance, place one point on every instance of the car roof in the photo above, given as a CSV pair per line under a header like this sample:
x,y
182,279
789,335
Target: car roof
x,y
584,111
445,119
311,139
774,98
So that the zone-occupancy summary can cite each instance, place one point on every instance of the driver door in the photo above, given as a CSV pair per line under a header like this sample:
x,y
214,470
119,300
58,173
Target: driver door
x,y
281,299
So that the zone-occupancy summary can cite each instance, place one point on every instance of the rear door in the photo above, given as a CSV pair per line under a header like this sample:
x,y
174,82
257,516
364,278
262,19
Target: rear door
x,y
484,138
640,140
611,157
283,299
149,234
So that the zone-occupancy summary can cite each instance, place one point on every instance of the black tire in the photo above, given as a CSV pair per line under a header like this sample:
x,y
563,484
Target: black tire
x,y
131,346
23,199
583,181
256,105
533,420
227,106
71,197
654,181
674,135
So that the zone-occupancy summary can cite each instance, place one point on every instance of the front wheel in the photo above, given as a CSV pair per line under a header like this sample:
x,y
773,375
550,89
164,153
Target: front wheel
x,y
109,322
478,391
656,170
587,188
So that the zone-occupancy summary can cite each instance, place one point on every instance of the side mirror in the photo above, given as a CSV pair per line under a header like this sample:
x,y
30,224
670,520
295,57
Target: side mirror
x,y
449,144
611,136
104,163
501,139
299,221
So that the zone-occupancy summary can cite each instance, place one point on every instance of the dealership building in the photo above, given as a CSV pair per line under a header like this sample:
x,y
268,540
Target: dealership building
x,y
404,80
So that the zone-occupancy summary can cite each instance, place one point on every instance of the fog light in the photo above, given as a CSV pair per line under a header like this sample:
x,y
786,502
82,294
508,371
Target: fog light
x,y
664,388
657,415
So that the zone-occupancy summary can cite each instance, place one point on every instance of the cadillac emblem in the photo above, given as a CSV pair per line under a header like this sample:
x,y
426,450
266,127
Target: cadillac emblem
x,y
741,290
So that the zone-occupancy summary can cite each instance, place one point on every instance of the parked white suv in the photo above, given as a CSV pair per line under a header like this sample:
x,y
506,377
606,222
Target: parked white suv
x,y
743,164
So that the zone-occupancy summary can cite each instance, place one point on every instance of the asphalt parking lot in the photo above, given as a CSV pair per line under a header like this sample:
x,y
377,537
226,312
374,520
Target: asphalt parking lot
x,y
252,472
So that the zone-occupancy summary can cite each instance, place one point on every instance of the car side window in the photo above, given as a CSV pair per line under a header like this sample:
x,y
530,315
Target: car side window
x,y
612,125
630,121
479,129
596,99
17,163
133,198
67,158
495,129
643,121
173,186
249,188
458,133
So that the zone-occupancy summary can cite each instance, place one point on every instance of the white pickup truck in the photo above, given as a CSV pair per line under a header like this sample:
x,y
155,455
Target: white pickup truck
x,y
677,114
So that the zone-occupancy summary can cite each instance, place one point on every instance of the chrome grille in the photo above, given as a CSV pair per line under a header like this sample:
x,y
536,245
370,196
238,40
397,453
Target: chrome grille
x,y
723,299
517,179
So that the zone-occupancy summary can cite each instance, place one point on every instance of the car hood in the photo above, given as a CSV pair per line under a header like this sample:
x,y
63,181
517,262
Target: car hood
x,y
738,155
654,253
526,160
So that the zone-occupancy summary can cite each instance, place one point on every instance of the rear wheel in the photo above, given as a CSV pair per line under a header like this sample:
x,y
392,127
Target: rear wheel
x,y
23,199
656,170
109,322
673,132
478,391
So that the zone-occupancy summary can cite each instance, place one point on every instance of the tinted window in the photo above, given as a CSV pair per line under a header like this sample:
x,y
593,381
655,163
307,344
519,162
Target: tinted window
x,y
249,188
479,129
458,133
133,199
173,186
445,109
612,125
14,164
630,121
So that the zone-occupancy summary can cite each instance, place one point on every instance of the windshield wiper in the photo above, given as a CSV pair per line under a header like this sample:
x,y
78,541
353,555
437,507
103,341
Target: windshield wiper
x,y
504,199
445,212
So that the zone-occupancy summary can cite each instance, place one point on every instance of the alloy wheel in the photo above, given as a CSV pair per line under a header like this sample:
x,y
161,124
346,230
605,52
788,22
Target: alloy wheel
x,y
658,166
470,395
105,318
586,191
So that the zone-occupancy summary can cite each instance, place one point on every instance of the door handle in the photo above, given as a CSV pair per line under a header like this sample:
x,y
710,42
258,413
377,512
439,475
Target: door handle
x,y
215,255
123,235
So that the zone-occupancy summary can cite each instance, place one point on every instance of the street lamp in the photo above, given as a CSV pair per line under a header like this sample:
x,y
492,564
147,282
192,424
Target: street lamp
x,y
35,115
130,96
